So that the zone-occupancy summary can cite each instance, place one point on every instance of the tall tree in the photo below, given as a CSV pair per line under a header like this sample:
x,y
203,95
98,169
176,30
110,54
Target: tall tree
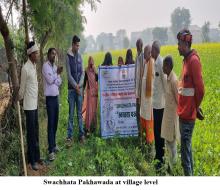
x,y
25,18
57,29
53,22
160,34
10,55
46,24
205,32
180,18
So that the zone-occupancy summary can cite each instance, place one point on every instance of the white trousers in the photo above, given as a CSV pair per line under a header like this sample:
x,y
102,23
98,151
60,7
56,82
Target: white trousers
x,y
172,152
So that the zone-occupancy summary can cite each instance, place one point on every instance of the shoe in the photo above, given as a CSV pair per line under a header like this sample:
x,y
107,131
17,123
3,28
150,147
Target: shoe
x,y
52,156
69,142
93,129
34,166
41,161
56,149
87,134
82,139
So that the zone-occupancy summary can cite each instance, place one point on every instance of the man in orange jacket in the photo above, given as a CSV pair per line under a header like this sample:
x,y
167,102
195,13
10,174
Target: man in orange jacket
x,y
190,95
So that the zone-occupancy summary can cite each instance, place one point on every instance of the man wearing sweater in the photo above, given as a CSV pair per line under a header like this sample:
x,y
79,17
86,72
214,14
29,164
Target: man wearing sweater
x,y
190,95
75,75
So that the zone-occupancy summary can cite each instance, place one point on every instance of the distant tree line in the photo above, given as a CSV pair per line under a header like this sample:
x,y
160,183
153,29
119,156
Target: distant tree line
x,y
180,18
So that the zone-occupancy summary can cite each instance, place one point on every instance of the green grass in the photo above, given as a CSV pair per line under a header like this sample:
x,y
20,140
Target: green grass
x,y
124,156
97,156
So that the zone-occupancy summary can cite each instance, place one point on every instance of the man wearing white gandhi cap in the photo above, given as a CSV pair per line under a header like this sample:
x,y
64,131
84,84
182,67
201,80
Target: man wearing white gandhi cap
x,y
28,92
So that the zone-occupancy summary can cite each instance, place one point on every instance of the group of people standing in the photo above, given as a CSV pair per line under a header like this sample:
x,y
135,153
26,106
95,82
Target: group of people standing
x,y
165,106
156,103
78,80
28,92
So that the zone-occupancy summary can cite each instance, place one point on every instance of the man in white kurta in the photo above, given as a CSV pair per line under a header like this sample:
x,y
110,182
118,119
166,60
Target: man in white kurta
x,y
169,129
158,103
28,92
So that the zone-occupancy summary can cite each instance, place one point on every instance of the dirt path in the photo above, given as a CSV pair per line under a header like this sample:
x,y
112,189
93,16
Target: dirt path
x,y
43,169
41,172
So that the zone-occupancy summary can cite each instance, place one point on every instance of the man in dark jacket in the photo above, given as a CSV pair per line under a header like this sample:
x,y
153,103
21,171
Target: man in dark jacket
x,y
75,74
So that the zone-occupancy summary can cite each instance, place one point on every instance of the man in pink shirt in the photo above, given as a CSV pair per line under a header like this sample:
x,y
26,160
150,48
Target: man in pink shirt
x,y
52,81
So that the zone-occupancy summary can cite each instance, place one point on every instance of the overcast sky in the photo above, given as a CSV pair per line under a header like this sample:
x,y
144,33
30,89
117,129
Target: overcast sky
x,y
136,15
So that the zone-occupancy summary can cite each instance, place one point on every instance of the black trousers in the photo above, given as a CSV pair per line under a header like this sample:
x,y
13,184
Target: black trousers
x,y
52,122
159,142
33,150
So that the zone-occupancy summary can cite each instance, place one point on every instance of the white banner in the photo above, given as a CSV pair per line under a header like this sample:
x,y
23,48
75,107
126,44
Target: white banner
x,y
117,101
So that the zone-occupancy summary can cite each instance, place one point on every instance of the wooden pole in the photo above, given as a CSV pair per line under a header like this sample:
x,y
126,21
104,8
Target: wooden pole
x,y
21,135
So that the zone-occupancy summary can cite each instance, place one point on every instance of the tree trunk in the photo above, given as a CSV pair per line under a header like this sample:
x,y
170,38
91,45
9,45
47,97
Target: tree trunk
x,y
43,43
24,6
41,54
10,56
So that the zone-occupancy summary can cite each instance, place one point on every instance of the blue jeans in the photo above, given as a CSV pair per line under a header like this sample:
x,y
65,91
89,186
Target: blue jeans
x,y
74,98
52,104
186,131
